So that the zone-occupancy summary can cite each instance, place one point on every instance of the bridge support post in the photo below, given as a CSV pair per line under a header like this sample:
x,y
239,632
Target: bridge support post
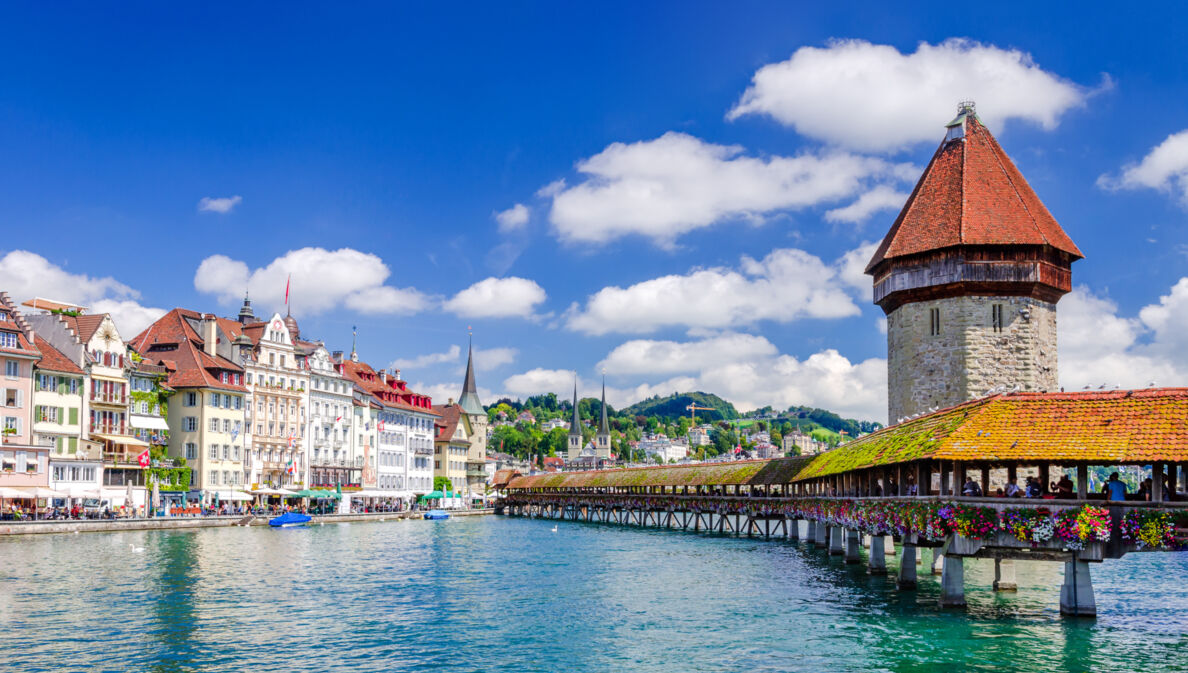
x,y
889,548
1076,595
852,546
906,579
818,533
876,561
835,541
1004,575
866,541
937,557
953,582
793,529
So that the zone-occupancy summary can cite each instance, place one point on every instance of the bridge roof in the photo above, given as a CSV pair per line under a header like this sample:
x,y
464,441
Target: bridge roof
x,y
750,472
1108,428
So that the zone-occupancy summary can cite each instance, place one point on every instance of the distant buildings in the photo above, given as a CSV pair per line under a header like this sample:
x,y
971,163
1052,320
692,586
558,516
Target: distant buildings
x,y
805,444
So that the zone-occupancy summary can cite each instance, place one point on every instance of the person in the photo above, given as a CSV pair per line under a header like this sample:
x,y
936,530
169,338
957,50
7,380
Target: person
x,y
1144,492
971,489
1012,490
912,489
1034,490
1064,487
1115,488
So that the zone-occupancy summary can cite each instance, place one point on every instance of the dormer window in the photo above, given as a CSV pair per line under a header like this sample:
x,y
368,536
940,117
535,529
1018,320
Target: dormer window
x,y
956,131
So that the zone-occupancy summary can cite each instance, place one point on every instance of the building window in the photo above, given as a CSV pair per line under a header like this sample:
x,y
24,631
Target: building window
x,y
996,317
214,478
214,451
214,426
934,327
190,424
191,451
8,340
191,399
12,368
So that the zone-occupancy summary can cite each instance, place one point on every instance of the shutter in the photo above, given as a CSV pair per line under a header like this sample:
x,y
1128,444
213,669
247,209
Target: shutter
x,y
73,415
19,398
73,444
61,415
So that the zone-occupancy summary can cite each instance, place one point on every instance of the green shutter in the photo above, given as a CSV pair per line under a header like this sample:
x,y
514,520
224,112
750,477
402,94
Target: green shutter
x,y
61,415
74,443
74,415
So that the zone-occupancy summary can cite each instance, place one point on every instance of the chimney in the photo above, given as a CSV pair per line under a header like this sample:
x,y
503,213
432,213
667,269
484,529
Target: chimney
x,y
383,374
336,356
450,403
396,374
210,335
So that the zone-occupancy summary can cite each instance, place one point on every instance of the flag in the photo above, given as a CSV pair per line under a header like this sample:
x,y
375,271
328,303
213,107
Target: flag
x,y
289,467
143,459
291,440
338,420
289,278
380,426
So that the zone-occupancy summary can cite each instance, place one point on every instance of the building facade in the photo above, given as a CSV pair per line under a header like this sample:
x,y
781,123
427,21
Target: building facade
x,y
332,457
76,466
23,462
477,472
969,276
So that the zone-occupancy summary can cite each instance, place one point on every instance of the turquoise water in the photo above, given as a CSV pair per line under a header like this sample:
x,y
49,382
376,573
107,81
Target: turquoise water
x,y
501,594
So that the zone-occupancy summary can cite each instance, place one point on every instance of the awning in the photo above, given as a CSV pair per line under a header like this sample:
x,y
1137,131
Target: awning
x,y
149,422
113,379
122,439
269,491
39,492
82,492
235,496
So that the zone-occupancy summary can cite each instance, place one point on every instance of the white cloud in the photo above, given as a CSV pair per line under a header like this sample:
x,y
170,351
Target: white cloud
x,y
512,219
646,356
852,268
871,97
441,393
1168,321
786,285
321,280
497,298
429,359
1164,168
487,359
221,205
757,378
663,188
1097,346
881,197
25,275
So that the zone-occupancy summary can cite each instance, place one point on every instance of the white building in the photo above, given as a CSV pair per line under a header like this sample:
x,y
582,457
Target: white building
x,y
333,459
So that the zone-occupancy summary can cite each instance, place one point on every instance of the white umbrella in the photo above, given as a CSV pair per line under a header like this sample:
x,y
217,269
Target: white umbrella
x,y
128,499
156,495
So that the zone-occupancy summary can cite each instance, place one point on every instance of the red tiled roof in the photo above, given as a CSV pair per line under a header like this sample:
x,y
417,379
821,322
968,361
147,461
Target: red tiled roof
x,y
971,194
84,326
1107,428
364,377
447,425
188,365
55,360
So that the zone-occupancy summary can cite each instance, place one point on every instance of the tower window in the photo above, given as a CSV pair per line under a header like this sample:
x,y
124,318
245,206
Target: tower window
x,y
934,321
996,317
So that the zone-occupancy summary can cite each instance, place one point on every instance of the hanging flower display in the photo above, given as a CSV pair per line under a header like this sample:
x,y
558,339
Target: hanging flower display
x,y
1149,529
1029,525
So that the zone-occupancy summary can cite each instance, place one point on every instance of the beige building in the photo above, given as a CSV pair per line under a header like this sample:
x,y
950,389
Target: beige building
x,y
451,445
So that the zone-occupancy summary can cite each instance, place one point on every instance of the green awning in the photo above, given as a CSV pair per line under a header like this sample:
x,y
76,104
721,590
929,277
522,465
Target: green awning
x,y
435,495
303,493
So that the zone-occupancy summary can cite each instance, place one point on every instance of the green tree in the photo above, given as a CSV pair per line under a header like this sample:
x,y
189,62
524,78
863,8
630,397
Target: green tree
x,y
442,484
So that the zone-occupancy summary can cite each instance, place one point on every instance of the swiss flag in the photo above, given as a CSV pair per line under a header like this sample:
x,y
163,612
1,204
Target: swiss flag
x,y
143,459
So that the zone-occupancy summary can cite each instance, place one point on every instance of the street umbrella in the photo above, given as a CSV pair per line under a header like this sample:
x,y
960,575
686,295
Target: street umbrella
x,y
156,495
128,499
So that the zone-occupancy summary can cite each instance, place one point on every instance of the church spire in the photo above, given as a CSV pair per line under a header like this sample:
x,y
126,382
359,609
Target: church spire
x,y
603,426
575,427
469,401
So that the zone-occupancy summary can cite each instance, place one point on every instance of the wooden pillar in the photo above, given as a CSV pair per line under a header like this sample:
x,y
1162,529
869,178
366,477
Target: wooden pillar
x,y
923,477
958,478
899,479
1156,481
1082,482
1045,476
986,479
1013,474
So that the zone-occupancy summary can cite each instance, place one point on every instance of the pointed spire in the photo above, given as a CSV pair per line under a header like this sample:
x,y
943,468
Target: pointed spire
x,y
603,426
469,401
245,312
575,426
354,343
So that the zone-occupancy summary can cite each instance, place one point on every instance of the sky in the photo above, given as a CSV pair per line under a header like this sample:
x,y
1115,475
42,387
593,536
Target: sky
x,y
680,196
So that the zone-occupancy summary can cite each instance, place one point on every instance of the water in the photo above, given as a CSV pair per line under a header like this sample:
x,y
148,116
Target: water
x,y
500,594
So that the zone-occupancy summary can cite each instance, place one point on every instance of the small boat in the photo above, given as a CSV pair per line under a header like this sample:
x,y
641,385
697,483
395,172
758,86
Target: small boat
x,y
436,514
289,519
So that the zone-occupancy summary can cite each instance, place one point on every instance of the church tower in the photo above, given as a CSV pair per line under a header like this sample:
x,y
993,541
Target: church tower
x,y
473,408
574,448
602,441
969,276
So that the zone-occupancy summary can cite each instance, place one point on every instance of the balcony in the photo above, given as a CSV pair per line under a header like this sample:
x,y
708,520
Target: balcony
x,y
118,399
423,451
109,428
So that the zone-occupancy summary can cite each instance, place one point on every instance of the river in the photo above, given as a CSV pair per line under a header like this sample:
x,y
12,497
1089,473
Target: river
x,y
503,594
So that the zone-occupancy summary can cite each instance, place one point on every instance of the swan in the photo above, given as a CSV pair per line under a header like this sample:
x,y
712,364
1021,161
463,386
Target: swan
x,y
554,528
135,549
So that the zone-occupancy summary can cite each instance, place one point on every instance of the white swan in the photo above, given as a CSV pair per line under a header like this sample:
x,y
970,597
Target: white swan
x,y
554,528
135,549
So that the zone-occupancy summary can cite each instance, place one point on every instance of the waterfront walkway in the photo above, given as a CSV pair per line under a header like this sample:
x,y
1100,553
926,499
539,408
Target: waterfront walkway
x,y
172,523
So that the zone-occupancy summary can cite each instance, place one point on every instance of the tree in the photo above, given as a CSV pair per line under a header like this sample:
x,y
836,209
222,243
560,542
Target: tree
x,y
442,484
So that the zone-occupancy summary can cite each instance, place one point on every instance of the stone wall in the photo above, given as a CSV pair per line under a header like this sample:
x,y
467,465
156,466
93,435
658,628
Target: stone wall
x,y
968,358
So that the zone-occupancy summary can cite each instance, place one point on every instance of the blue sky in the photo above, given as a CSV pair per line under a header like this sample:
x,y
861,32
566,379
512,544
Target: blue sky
x,y
695,181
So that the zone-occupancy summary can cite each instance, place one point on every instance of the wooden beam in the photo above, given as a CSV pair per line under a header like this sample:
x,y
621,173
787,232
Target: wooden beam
x,y
1082,482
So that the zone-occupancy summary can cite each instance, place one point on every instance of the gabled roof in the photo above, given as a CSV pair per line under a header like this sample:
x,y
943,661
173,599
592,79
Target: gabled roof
x,y
1108,428
187,363
54,360
84,326
16,323
971,194
447,425
367,379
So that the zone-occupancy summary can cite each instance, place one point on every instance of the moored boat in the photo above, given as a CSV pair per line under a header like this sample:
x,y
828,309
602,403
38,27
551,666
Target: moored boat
x,y
436,515
289,519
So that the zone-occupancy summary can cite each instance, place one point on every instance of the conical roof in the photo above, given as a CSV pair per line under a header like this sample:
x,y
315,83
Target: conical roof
x,y
470,400
575,426
971,194
603,426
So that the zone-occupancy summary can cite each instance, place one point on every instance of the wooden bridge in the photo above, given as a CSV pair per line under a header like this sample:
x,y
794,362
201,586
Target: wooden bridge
x,y
904,483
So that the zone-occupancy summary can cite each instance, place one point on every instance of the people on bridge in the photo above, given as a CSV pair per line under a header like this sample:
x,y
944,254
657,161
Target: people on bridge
x,y
1013,490
911,488
1144,492
1115,488
972,488
1064,487
1034,488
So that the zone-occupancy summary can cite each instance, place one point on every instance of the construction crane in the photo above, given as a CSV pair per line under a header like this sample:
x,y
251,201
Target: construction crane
x,y
693,409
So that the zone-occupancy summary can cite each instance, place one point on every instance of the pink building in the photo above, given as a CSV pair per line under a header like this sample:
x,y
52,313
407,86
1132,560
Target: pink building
x,y
21,463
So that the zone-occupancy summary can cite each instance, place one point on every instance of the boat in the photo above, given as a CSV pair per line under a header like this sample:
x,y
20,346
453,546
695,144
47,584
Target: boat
x,y
436,514
289,519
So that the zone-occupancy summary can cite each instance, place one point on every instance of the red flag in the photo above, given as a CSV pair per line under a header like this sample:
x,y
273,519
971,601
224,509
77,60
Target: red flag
x,y
143,459
289,278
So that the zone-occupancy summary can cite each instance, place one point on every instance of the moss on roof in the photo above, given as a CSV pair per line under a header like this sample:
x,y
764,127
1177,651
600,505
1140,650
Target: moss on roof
x,y
752,472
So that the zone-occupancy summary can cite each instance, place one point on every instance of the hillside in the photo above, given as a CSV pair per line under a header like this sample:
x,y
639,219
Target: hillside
x,y
675,405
